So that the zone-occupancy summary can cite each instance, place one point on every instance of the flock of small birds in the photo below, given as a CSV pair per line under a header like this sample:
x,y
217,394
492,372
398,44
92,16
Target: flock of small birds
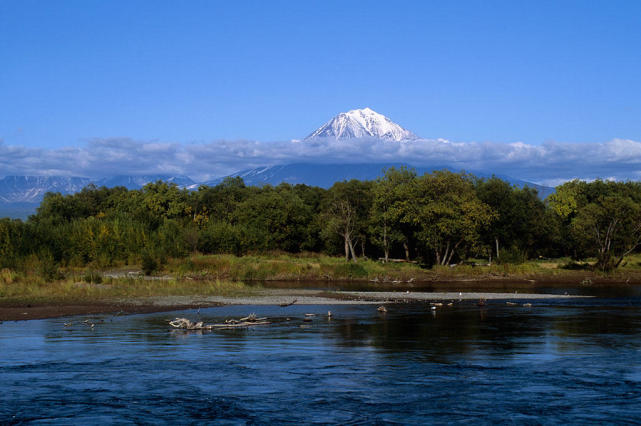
x,y
481,303
91,323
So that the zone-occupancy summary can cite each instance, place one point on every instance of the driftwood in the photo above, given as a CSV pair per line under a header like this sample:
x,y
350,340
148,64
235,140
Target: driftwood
x,y
283,305
389,280
396,260
248,321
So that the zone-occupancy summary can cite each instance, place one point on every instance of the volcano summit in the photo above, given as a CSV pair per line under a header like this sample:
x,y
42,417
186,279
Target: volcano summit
x,y
362,123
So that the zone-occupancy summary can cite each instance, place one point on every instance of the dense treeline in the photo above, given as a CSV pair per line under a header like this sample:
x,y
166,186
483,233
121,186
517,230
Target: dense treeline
x,y
437,218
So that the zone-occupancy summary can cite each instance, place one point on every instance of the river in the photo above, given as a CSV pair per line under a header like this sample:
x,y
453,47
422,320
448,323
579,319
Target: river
x,y
573,361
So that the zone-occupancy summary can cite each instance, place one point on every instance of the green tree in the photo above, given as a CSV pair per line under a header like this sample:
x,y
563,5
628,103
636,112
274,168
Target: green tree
x,y
279,215
346,213
520,221
603,217
447,214
389,195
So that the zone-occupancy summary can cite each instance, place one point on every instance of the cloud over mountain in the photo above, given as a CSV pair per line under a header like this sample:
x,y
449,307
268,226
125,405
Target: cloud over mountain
x,y
549,163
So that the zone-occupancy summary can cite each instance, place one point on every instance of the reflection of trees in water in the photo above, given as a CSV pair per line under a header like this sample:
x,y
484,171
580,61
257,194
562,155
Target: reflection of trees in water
x,y
607,327
496,329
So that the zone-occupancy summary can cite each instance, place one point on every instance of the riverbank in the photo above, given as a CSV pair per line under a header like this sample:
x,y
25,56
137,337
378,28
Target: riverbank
x,y
276,297
201,280
309,267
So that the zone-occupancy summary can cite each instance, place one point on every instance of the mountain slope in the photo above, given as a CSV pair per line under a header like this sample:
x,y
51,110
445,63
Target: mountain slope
x,y
362,123
21,195
31,189
325,175
137,182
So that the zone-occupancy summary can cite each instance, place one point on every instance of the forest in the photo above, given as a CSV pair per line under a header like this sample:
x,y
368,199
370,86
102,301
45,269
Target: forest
x,y
439,218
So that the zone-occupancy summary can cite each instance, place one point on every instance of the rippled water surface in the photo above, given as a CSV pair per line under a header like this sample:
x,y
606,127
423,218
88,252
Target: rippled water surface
x,y
576,361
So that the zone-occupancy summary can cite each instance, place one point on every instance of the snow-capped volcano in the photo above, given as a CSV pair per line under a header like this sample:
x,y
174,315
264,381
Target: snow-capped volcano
x,y
361,123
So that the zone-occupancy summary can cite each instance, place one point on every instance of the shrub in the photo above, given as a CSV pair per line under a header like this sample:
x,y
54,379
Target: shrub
x,y
350,270
7,276
47,267
92,277
575,266
149,264
513,256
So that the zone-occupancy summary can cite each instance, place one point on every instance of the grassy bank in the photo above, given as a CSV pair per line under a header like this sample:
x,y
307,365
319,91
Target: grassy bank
x,y
319,267
288,267
31,290
225,275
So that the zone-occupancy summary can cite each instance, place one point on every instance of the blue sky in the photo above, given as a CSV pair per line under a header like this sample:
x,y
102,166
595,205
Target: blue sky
x,y
174,72
200,70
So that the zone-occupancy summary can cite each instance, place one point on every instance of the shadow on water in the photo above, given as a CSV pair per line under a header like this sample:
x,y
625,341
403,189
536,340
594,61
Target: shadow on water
x,y
499,286
448,334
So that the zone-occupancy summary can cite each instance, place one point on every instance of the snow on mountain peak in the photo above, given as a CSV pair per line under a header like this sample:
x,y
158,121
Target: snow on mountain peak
x,y
359,123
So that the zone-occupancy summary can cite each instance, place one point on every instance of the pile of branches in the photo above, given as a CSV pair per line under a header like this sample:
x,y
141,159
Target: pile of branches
x,y
248,321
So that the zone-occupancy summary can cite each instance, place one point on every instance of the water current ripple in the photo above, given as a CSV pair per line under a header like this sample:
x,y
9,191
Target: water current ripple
x,y
554,363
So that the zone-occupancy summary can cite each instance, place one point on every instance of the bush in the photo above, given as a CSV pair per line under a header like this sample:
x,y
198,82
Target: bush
x,y
7,276
149,264
575,266
92,277
220,237
512,256
47,267
350,270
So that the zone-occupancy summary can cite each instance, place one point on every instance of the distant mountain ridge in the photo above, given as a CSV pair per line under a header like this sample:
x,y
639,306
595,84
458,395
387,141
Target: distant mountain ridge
x,y
137,182
31,189
20,195
325,175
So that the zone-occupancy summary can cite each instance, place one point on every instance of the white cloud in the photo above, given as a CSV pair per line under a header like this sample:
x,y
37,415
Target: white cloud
x,y
550,163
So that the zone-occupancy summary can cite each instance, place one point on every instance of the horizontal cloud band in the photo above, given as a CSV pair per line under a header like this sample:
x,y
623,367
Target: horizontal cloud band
x,y
548,164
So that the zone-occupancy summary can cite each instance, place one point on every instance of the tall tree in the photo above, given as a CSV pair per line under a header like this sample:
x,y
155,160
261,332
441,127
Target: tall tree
x,y
520,216
605,216
390,193
346,213
448,214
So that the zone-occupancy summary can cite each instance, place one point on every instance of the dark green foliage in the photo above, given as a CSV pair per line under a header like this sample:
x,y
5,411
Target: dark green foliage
x,y
520,223
220,237
437,218
574,266
149,264
47,267
350,270
602,219
92,277
513,255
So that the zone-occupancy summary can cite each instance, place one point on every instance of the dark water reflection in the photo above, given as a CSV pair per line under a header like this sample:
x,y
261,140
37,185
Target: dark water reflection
x,y
498,286
555,362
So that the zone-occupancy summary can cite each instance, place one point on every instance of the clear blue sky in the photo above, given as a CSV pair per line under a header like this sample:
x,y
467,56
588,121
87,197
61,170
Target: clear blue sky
x,y
185,71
